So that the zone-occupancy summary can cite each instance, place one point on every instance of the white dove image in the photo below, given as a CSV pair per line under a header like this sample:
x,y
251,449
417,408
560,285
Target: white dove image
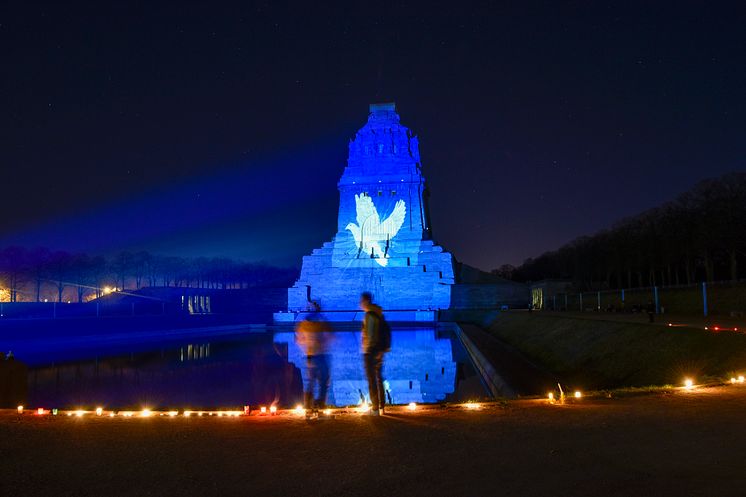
x,y
370,232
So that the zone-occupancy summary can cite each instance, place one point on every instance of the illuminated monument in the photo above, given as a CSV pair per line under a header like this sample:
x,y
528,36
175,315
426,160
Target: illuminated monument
x,y
383,243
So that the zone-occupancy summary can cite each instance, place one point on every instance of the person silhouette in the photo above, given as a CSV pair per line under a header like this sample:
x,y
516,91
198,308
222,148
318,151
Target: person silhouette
x,y
376,341
312,335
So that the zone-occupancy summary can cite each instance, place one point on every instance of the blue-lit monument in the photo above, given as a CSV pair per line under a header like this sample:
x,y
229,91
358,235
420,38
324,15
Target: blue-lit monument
x,y
383,243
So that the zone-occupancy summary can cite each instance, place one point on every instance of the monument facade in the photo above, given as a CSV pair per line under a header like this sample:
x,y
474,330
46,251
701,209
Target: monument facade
x,y
383,243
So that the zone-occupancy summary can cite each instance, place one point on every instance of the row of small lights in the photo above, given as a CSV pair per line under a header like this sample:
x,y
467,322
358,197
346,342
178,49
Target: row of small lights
x,y
688,385
146,413
299,409
577,394
707,328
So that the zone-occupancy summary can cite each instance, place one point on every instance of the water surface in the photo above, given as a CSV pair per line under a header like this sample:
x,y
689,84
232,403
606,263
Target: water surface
x,y
425,365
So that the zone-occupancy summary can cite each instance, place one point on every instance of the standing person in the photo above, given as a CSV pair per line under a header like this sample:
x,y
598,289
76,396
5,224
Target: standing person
x,y
312,334
376,341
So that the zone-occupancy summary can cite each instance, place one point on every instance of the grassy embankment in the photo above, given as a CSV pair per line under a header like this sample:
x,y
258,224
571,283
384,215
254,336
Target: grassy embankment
x,y
595,354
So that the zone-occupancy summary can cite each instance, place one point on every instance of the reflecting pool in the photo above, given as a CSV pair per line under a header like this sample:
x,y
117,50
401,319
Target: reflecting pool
x,y
425,365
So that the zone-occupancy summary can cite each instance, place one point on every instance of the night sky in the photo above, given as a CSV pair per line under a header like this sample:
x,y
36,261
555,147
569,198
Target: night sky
x,y
205,130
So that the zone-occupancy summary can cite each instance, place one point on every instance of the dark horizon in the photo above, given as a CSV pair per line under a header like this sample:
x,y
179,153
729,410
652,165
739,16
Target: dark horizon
x,y
224,132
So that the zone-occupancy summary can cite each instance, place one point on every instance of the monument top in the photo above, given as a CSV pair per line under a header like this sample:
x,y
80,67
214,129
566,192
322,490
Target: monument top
x,y
383,107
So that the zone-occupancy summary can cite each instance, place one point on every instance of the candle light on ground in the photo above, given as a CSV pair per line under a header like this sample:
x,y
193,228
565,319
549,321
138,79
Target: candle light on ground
x,y
688,383
578,394
412,406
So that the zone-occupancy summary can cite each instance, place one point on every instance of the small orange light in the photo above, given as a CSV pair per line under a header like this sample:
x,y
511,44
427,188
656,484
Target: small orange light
x,y
263,409
40,411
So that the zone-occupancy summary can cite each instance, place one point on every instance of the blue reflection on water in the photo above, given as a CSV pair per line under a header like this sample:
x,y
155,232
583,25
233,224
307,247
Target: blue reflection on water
x,y
425,365
419,368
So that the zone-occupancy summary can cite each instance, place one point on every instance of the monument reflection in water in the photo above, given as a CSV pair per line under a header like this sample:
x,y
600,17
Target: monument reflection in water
x,y
419,368
425,365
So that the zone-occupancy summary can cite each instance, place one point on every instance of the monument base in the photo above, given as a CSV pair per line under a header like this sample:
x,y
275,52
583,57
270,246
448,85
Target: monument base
x,y
394,316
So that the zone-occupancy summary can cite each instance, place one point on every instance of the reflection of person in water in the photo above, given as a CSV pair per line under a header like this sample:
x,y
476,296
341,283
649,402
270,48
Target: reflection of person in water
x,y
312,335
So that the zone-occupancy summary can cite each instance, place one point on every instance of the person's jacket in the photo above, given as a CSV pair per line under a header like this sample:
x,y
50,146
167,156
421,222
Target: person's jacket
x,y
313,337
372,329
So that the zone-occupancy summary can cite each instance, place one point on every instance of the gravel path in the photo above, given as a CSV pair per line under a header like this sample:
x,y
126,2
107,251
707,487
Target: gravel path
x,y
687,443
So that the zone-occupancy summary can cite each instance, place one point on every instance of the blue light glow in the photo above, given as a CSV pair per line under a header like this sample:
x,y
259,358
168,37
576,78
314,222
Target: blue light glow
x,y
420,367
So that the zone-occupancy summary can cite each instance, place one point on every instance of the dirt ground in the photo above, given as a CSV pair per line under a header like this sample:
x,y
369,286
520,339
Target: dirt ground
x,y
685,443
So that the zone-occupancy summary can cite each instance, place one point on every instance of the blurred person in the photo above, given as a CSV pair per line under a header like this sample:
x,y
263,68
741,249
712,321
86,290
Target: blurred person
x,y
312,335
376,341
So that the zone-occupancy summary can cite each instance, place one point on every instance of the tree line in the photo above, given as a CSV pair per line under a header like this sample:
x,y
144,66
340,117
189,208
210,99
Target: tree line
x,y
33,274
699,236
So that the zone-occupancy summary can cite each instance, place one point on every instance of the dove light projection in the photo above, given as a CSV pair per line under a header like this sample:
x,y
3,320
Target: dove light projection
x,y
383,243
370,232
